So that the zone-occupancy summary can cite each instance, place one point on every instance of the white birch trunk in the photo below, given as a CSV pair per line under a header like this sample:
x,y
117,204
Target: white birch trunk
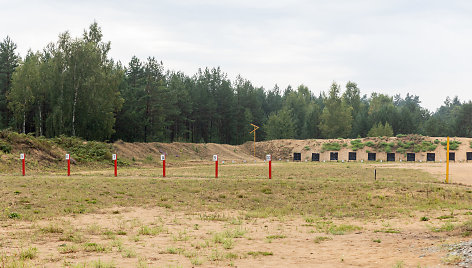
x,y
24,119
40,121
76,89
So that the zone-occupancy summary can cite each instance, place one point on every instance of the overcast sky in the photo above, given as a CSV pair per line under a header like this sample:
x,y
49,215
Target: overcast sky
x,y
394,47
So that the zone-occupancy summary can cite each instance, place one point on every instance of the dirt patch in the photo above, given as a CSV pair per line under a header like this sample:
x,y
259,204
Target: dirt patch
x,y
182,151
460,173
129,237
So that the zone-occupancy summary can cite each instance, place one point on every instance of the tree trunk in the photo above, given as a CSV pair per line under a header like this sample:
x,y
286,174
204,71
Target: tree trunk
x,y
24,119
40,121
73,112
76,90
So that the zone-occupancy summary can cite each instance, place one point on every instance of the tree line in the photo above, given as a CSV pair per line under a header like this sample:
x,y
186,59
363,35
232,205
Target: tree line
x,y
73,87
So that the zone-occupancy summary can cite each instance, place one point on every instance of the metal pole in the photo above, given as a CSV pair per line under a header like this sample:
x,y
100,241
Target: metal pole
x,y
447,161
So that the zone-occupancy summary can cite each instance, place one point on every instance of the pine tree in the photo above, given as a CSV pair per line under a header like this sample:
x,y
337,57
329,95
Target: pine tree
x,y
9,60
336,118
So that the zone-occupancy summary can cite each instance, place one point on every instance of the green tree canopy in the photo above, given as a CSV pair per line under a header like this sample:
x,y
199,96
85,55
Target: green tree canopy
x,y
280,125
336,118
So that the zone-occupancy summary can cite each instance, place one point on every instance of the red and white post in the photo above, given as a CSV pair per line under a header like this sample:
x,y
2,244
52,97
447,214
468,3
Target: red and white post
x,y
22,157
163,159
215,158
68,164
269,158
115,160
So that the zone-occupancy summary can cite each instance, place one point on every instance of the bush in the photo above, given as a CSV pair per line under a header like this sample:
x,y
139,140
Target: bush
x,y
5,147
370,144
425,146
453,145
356,145
85,151
331,146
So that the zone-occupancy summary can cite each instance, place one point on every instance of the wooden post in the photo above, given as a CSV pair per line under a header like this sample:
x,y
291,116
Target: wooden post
x,y
255,128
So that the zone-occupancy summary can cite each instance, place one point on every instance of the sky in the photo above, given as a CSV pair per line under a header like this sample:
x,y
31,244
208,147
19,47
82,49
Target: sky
x,y
394,47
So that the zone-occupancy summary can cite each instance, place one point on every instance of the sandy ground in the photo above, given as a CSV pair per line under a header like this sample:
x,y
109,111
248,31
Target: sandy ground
x,y
460,173
415,245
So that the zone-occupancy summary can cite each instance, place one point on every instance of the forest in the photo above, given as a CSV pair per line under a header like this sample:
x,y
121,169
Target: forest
x,y
73,87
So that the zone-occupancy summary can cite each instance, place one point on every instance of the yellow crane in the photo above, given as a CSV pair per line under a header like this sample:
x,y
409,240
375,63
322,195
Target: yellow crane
x,y
255,128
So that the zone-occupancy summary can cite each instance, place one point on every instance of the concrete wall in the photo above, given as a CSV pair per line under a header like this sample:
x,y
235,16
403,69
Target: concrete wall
x,y
461,156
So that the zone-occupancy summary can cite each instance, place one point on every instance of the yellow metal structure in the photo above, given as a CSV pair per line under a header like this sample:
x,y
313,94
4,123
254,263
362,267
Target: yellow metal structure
x,y
447,161
255,128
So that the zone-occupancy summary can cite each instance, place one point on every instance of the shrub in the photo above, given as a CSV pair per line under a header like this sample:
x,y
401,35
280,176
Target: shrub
x,y
427,146
453,145
5,147
356,145
331,146
85,151
370,144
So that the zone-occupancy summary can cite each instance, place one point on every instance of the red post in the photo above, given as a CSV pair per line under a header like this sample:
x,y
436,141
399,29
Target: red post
x,y
163,159
269,158
68,164
22,157
115,159
215,158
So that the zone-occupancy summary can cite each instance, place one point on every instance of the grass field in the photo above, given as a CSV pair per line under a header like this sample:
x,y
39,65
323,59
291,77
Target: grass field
x,y
189,218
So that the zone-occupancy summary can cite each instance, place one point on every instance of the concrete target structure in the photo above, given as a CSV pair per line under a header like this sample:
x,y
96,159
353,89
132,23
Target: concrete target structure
x,y
431,157
352,156
297,156
390,157
452,156
371,156
333,156
315,157
410,157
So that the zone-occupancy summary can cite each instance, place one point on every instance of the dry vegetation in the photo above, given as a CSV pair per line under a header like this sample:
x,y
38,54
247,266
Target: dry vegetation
x,y
92,219
309,214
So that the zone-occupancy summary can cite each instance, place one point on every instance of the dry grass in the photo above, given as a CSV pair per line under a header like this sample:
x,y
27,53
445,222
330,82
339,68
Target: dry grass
x,y
321,195
338,190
